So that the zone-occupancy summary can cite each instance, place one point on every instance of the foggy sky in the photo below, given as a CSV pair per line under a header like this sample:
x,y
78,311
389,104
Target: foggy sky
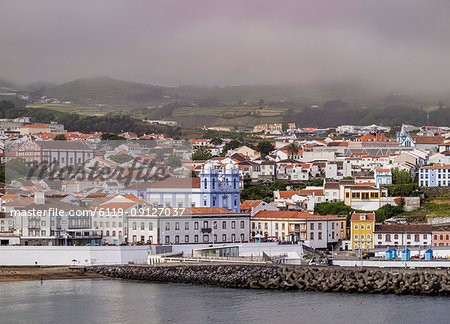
x,y
402,44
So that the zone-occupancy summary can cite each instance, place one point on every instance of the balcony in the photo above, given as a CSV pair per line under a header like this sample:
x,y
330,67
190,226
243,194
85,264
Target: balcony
x,y
206,230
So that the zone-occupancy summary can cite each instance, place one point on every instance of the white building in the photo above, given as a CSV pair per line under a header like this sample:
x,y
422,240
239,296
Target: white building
x,y
399,236
316,231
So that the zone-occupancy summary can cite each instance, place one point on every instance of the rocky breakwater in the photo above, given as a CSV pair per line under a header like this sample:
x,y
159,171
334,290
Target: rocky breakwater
x,y
324,279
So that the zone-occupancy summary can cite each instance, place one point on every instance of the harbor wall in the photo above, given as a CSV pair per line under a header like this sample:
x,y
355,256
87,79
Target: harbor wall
x,y
323,279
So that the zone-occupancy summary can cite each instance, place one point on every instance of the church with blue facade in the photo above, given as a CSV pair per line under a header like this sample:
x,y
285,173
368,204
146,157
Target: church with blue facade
x,y
404,139
216,186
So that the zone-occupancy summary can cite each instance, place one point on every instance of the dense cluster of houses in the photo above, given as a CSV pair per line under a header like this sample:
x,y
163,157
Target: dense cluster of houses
x,y
200,201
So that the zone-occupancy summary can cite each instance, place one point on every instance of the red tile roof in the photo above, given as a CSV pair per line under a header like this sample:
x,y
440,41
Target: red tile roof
x,y
428,139
290,214
248,204
370,217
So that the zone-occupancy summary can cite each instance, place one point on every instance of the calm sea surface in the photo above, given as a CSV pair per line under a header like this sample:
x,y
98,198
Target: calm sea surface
x,y
118,301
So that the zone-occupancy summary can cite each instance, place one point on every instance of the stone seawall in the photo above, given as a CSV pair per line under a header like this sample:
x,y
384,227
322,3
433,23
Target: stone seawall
x,y
324,279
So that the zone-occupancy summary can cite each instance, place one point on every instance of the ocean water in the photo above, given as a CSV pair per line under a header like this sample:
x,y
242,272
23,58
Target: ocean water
x,y
121,301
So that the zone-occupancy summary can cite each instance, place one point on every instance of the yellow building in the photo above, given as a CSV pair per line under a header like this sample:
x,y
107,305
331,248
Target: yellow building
x,y
362,227
34,129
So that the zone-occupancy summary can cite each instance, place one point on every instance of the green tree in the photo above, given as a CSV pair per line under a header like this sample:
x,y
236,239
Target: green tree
x,y
2,173
111,137
60,137
332,208
277,185
258,192
403,190
216,141
400,176
202,153
16,168
386,212
292,150
265,147
231,145
121,158
6,104
173,161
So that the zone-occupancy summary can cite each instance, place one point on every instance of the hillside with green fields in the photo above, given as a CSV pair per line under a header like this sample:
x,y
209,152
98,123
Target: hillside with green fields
x,y
318,105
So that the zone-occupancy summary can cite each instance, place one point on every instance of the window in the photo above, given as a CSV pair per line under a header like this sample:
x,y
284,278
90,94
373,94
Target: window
x,y
233,225
319,226
196,226
205,238
215,237
107,233
347,195
356,226
319,236
380,236
142,226
186,239
167,226
186,226
368,236
276,226
311,226
233,237
113,233
177,226
242,225
395,236
368,226
362,226
167,239
134,225
242,237
283,226
150,226
388,237
356,236
224,225
224,237
205,224
416,238
196,238
311,236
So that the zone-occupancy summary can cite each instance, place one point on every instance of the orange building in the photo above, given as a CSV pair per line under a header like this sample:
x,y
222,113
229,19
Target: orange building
x,y
441,236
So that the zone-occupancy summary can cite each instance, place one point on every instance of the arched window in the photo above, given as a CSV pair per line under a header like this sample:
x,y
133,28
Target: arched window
x,y
213,183
205,184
